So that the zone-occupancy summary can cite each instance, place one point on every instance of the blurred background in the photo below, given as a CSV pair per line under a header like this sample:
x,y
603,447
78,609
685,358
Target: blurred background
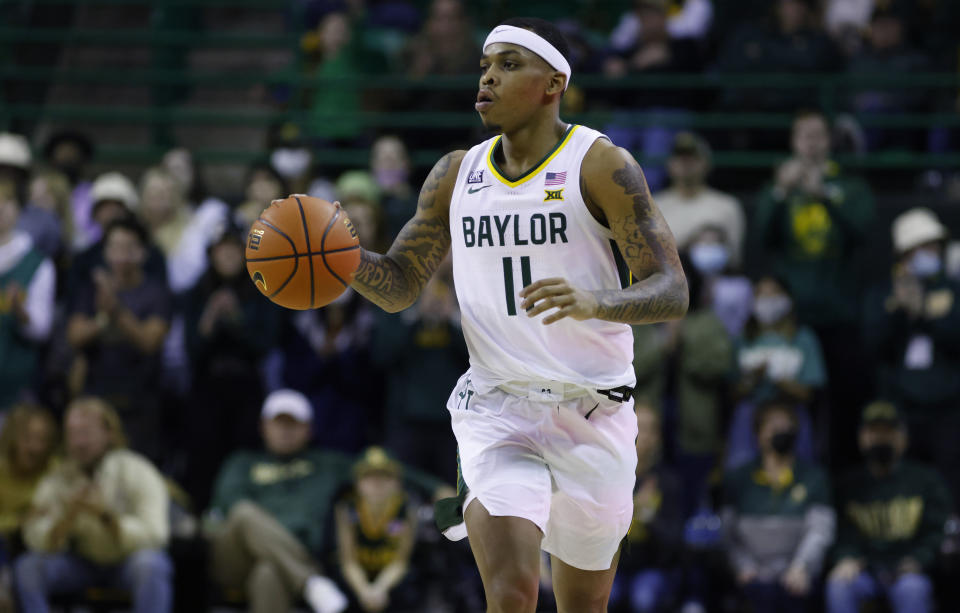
x,y
799,428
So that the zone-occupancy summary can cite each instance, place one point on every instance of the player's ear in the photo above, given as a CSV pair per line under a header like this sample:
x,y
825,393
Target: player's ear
x,y
556,84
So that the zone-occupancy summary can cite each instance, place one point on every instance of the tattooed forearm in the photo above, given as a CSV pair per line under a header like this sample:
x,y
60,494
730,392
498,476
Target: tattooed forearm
x,y
661,292
393,281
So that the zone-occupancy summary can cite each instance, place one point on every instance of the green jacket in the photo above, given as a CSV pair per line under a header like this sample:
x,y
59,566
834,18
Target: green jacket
x,y
885,520
769,526
18,354
299,491
811,243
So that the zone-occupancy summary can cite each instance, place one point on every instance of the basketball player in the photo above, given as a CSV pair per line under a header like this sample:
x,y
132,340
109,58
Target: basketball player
x,y
546,222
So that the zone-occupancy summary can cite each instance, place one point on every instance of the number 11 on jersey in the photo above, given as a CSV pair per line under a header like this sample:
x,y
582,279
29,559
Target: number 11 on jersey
x,y
525,277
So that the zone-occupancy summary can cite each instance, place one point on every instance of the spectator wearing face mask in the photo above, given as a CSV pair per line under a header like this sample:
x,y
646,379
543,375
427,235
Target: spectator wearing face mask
x,y
912,326
728,293
778,519
892,513
775,358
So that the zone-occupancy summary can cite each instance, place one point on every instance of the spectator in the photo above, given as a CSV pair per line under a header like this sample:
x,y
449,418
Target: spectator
x,y
656,51
792,41
704,357
912,326
15,158
114,197
390,165
811,224
117,326
889,53
776,358
290,164
360,196
690,204
27,285
337,51
70,152
270,511
892,515
48,216
777,516
27,442
687,19
182,235
423,353
727,293
264,184
376,530
99,519
227,392
28,439
445,46
648,575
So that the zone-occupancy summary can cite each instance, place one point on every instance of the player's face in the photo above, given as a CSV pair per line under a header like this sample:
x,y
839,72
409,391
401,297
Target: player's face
x,y
514,84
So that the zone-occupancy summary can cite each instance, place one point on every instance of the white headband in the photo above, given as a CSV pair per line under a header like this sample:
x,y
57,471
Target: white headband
x,y
533,42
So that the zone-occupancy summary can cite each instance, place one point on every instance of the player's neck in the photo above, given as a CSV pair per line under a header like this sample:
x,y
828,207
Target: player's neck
x,y
526,146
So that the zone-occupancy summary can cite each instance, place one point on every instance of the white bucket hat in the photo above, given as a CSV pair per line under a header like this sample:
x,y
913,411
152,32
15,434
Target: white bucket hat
x,y
916,227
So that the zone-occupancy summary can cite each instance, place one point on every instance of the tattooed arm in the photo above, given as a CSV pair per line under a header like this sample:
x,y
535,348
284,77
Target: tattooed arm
x,y
616,192
393,281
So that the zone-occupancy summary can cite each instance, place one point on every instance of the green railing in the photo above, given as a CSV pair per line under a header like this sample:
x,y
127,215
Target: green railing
x,y
831,90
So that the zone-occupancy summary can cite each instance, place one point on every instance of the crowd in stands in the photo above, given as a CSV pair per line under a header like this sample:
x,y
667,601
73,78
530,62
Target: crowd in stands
x,y
170,438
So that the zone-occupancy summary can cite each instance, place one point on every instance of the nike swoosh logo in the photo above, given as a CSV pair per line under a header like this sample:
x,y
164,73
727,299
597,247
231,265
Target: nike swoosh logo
x,y
473,190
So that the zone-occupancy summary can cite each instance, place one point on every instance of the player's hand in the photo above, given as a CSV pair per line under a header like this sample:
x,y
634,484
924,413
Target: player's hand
x,y
796,580
846,570
556,293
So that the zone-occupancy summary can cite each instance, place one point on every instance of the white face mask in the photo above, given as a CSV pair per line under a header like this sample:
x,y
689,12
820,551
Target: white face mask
x,y
924,264
290,163
771,309
709,258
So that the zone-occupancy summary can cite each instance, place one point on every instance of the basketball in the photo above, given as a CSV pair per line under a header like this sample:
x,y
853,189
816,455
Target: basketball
x,y
302,252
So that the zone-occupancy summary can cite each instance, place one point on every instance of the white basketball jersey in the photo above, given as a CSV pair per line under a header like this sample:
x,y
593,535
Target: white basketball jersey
x,y
507,234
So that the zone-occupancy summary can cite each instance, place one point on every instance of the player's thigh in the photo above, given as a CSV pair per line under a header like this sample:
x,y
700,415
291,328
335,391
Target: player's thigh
x,y
507,551
592,461
582,591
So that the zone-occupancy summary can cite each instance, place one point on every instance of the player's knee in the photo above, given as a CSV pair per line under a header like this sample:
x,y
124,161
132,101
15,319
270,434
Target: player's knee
x,y
514,593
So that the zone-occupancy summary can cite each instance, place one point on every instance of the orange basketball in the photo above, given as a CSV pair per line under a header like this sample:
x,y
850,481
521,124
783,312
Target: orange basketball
x,y
302,252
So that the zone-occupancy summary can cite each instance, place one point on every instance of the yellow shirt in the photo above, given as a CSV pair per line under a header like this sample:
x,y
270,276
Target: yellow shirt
x,y
17,492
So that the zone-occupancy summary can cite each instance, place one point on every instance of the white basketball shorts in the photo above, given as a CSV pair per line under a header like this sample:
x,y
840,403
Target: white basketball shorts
x,y
567,465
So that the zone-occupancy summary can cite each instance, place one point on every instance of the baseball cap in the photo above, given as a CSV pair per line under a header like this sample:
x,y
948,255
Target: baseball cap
x,y
287,402
376,460
14,150
880,412
916,227
688,143
114,186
